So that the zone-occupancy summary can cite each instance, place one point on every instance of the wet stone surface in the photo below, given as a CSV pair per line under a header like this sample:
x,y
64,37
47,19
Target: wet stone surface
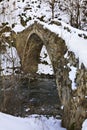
x,y
36,97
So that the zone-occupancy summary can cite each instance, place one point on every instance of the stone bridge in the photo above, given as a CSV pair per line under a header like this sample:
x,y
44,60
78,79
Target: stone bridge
x,y
29,44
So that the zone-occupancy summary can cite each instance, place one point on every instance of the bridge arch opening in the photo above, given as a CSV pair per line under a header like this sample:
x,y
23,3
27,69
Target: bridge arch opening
x,y
56,49
36,56
47,91
45,65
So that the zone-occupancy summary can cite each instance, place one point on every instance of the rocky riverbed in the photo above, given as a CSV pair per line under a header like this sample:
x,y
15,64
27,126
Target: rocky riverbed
x,y
37,97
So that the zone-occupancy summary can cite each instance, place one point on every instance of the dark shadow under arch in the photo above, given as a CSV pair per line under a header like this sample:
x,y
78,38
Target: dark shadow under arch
x,y
32,51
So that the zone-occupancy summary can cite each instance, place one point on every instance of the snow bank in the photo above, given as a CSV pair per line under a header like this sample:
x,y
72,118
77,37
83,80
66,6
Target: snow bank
x,y
33,122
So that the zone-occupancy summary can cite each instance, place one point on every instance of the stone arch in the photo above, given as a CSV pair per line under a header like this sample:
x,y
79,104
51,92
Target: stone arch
x,y
56,49
54,44
32,49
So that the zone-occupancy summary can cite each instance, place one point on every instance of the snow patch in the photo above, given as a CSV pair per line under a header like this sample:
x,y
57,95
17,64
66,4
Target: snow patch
x,y
45,68
84,125
72,76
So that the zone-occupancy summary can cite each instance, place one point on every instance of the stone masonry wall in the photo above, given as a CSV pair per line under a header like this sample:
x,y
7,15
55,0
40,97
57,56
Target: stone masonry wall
x,y
76,111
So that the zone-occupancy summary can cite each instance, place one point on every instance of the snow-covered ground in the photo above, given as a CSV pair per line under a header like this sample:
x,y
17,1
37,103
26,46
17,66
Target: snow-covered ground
x,y
45,68
33,122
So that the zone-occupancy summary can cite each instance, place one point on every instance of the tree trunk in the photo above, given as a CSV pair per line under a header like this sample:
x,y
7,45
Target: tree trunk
x,y
53,11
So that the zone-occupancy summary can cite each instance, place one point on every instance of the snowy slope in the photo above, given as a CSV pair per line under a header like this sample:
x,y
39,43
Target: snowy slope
x,y
13,11
33,122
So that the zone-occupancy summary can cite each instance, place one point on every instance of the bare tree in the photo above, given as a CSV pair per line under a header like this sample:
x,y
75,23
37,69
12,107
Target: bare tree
x,y
52,5
0,65
84,14
77,16
74,9
2,50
